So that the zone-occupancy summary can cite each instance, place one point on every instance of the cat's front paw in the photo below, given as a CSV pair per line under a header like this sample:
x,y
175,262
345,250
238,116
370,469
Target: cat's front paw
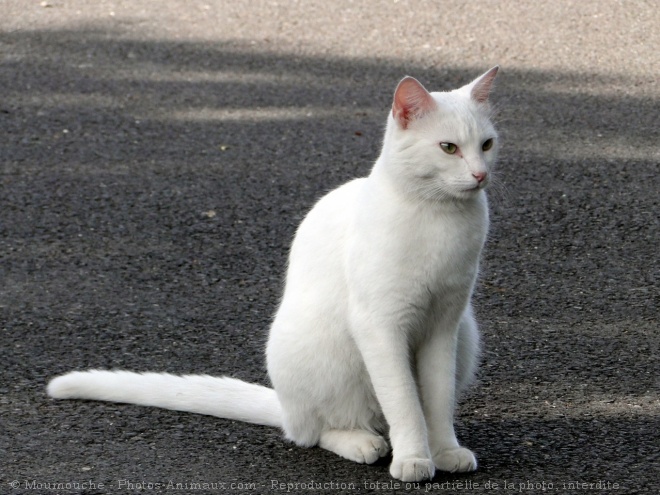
x,y
455,460
412,469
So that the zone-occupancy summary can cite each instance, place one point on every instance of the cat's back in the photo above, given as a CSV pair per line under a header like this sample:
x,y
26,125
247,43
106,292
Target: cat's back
x,y
329,219
317,251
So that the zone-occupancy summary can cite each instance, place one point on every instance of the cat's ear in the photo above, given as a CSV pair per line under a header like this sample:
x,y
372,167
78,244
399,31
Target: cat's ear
x,y
411,101
480,88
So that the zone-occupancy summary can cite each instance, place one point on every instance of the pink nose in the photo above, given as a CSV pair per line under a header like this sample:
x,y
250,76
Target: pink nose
x,y
480,176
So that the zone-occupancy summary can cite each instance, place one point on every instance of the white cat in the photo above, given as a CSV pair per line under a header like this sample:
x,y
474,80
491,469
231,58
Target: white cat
x,y
375,331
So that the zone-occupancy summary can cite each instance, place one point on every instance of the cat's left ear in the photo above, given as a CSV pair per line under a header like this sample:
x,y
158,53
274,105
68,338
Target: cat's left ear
x,y
411,101
480,88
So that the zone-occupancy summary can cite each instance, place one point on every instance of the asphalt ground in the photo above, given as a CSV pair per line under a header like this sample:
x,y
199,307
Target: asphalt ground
x,y
156,158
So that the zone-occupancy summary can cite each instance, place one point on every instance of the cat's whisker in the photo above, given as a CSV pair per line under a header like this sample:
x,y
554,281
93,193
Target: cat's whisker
x,y
498,191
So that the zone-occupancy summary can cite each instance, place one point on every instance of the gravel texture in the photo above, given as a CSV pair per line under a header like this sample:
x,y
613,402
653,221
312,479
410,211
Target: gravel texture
x,y
156,158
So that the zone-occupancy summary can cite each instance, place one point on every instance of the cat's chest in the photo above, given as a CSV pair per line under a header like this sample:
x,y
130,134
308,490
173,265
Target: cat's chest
x,y
421,251
442,250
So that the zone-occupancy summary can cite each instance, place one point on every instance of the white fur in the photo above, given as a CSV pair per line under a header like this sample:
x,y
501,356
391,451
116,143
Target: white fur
x,y
203,394
375,330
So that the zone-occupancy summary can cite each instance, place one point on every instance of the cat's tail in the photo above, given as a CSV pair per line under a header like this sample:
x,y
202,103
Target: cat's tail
x,y
223,397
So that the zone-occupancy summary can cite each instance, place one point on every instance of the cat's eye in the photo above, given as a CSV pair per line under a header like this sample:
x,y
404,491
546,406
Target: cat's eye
x,y
488,144
449,148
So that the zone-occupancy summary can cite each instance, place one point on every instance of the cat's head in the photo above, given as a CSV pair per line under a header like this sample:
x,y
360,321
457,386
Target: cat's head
x,y
442,145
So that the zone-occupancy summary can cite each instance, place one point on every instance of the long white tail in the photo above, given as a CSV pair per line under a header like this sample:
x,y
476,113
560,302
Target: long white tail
x,y
223,397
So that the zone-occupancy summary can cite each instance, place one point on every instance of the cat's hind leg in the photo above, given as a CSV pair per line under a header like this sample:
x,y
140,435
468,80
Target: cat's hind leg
x,y
467,351
359,446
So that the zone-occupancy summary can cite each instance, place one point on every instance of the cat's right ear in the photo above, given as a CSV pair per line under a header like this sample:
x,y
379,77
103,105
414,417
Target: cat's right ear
x,y
411,101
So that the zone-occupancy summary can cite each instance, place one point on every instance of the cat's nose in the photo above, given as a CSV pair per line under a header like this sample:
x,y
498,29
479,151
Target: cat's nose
x,y
480,176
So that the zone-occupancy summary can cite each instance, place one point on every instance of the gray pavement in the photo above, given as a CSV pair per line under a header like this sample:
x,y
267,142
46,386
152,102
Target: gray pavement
x,y
156,158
